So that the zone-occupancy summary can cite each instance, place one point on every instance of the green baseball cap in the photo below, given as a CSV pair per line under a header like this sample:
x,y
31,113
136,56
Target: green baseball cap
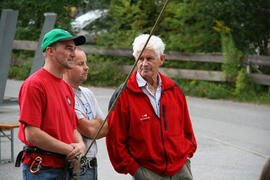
x,y
60,35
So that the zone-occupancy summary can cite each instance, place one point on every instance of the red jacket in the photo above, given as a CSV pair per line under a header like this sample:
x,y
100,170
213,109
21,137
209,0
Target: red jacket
x,y
138,137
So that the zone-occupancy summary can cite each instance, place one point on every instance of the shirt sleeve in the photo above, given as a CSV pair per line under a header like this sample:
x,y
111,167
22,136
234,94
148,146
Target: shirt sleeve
x,y
78,109
99,112
188,130
116,139
94,103
31,98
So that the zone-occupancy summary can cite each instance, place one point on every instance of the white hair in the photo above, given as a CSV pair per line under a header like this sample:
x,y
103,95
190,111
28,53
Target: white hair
x,y
154,43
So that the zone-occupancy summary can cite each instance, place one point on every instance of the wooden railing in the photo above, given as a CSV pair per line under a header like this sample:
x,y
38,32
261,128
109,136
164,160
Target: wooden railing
x,y
173,55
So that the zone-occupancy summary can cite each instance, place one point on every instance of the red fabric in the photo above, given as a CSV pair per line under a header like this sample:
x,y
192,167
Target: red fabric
x,y
47,102
137,136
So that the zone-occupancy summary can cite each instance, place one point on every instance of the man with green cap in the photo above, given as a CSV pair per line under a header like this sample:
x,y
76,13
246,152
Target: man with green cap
x,y
48,122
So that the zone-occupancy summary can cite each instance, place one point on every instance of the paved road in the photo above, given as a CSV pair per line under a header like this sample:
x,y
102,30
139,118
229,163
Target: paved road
x,y
233,138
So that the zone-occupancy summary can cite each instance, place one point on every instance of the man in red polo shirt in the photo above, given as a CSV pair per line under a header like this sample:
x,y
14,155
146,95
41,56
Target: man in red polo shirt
x,y
48,121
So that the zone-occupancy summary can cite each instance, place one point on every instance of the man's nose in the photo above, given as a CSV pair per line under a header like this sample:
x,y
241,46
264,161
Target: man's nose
x,y
144,63
86,67
73,53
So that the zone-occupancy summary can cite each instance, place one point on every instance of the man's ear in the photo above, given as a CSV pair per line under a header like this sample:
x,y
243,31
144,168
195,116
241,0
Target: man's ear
x,y
162,58
49,50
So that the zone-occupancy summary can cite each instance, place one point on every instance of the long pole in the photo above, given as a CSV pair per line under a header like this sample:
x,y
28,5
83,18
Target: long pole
x,y
125,82
122,88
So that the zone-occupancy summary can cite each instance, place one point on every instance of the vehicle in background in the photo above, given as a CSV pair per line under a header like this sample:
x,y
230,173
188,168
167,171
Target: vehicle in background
x,y
82,25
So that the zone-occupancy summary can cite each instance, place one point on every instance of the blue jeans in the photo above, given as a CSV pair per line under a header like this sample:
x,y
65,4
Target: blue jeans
x,y
45,173
90,174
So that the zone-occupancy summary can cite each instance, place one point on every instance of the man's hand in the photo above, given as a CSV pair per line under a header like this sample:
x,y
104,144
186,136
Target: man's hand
x,y
78,148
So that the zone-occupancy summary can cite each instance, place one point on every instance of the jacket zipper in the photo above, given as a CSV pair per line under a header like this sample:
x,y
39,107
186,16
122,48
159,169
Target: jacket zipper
x,y
164,117
165,153
162,140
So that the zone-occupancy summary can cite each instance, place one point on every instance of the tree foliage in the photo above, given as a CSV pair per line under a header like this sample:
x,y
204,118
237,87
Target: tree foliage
x,y
231,54
248,19
183,27
125,20
187,24
31,15
188,28
96,4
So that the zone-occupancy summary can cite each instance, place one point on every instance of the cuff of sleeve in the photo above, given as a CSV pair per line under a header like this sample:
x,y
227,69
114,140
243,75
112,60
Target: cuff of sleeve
x,y
133,169
191,152
190,155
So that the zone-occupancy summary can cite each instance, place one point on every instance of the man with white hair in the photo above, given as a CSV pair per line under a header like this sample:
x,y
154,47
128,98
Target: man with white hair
x,y
150,131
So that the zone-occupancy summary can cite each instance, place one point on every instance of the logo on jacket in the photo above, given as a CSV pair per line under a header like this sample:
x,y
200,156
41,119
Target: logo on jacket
x,y
144,117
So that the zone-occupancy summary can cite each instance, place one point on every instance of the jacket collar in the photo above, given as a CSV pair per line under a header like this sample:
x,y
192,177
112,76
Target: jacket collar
x,y
133,85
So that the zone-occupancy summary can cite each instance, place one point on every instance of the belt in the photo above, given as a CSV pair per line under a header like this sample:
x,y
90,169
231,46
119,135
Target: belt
x,y
88,163
85,164
92,162
31,149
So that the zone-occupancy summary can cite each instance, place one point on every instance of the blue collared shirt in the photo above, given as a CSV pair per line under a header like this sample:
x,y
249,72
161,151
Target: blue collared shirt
x,y
154,98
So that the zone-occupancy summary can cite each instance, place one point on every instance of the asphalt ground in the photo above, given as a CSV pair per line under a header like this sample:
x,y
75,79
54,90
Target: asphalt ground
x,y
233,138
